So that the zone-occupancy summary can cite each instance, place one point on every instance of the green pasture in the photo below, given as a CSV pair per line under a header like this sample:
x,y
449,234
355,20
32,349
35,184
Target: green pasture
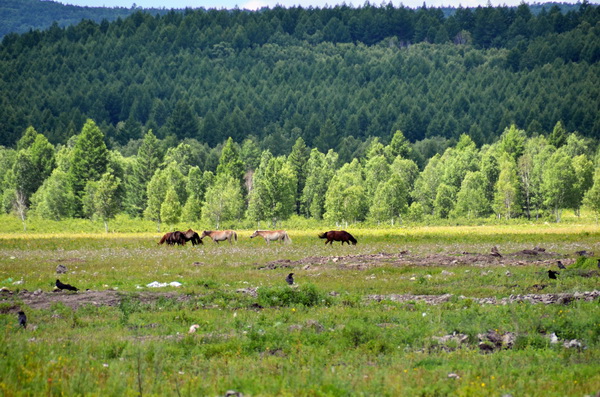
x,y
322,337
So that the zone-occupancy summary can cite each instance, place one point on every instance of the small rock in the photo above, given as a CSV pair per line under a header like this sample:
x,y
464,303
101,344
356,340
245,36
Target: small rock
x,y
193,328
452,375
447,273
61,269
233,393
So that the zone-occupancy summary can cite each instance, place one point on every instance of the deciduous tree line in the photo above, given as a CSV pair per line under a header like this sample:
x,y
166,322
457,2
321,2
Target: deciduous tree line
x,y
517,176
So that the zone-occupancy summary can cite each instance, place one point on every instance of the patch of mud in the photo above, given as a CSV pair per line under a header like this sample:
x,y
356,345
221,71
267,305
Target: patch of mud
x,y
365,261
562,298
45,300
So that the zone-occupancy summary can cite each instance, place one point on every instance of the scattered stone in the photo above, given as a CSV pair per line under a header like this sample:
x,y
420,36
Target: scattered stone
x,y
306,267
573,344
193,328
447,273
492,340
334,293
457,339
452,375
61,269
250,291
508,273
198,264
233,393
315,325
584,253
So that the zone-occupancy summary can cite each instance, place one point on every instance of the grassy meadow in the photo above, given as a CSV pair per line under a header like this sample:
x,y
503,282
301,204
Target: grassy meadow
x,y
321,337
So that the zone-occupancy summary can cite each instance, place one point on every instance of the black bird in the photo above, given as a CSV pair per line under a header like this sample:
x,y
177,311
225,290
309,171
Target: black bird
x,y
290,279
69,287
560,265
552,274
22,319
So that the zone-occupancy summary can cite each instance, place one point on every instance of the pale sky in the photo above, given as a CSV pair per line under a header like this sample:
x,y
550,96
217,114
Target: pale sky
x,y
256,4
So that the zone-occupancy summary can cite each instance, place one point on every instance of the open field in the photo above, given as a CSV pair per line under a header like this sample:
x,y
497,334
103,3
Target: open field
x,y
406,312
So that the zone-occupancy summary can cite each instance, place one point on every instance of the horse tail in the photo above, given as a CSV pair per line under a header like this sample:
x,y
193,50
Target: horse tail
x,y
323,235
286,238
235,236
163,239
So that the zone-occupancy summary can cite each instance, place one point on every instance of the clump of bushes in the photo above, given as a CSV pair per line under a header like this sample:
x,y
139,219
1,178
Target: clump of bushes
x,y
307,295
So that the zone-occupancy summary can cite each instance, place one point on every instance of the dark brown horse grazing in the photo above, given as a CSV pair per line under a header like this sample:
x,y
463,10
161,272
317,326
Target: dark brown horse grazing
x,y
338,235
220,235
192,236
173,238
273,235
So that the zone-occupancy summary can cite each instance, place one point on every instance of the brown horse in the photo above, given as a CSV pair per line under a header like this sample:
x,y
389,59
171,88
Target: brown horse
x,y
172,238
338,235
273,235
219,235
192,236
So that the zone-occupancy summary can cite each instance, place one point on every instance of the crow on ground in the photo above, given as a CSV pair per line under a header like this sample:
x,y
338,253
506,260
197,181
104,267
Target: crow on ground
x,y
69,287
290,279
552,274
560,265
22,319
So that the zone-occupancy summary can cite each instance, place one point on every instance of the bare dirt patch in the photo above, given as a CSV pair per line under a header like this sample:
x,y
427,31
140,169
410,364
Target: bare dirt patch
x,y
365,261
45,300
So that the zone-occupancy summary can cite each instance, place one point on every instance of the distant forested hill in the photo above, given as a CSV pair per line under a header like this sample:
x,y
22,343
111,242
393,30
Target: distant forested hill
x,y
334,76
20,16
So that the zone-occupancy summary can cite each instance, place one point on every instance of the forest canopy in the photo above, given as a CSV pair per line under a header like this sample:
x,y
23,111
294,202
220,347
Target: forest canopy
x,y
375,113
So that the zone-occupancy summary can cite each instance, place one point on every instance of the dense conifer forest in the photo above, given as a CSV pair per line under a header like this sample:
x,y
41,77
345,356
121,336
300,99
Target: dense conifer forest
x,y
375,113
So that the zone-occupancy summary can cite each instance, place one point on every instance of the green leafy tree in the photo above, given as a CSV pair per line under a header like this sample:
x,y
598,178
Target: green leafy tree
x,y
399,146
345,199
27,139
54,199
170,209
512,142
101,198
426,185
42,156
408,170
157,190
297,160
230,163
250,154
592,196
144,166
507,195
195,188
471,200
89,160
558,136
584,174
558,183
377,170
390,201
224,201
320,169
273,190
445,199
